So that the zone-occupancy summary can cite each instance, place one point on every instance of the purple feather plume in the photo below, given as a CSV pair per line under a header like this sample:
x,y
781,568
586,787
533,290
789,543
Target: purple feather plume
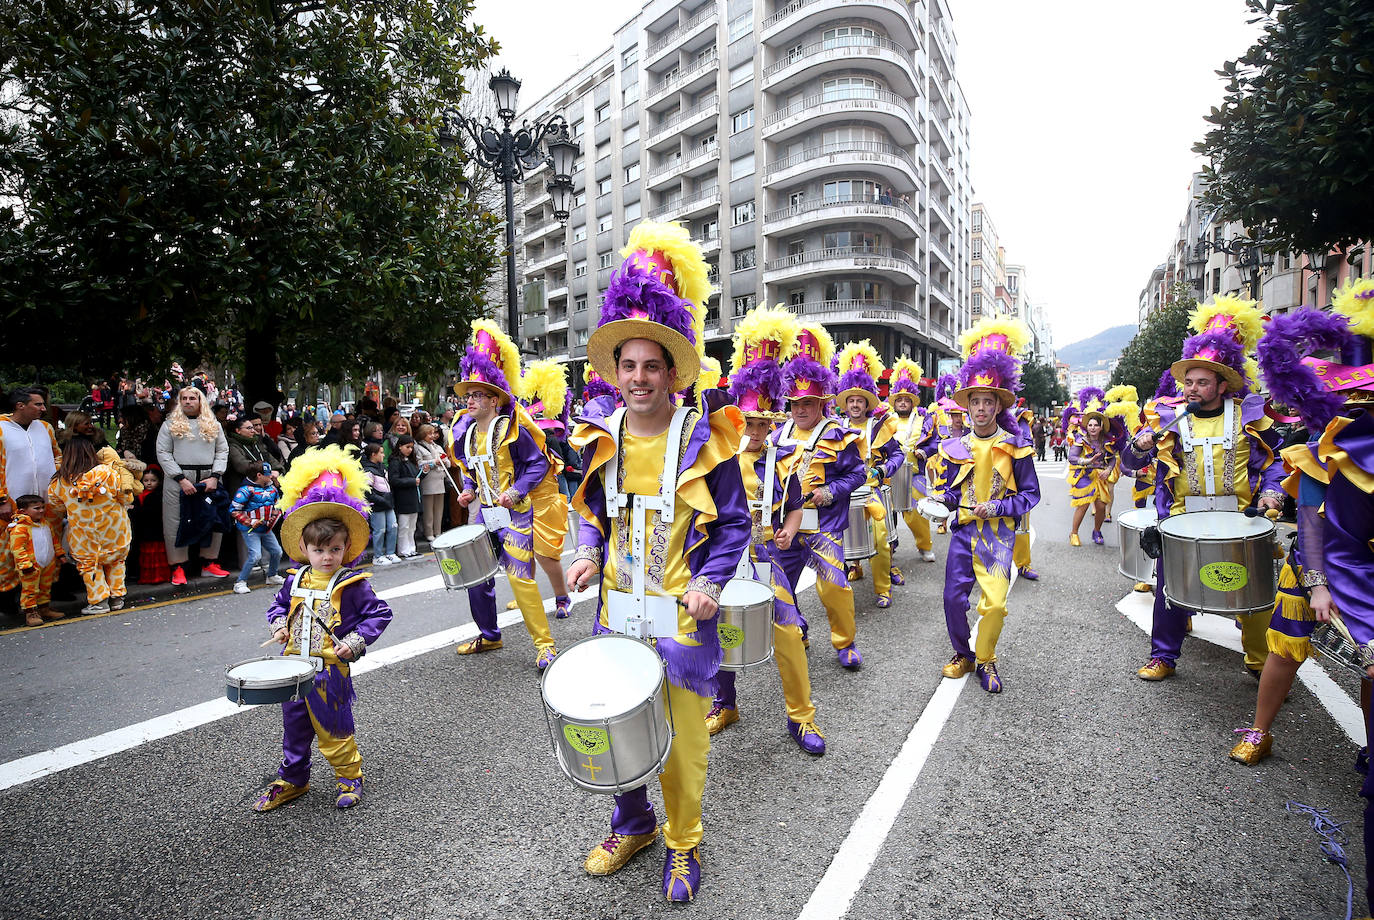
x,y
858,380
763,377
638,287
1088,394
1069,412
946,385
329,494
1292,383
485,368
1006,368
804,368
1168,386
1226,349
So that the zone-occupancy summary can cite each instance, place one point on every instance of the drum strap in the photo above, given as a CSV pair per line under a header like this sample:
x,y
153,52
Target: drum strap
x,y
1201,448
484,464
309,598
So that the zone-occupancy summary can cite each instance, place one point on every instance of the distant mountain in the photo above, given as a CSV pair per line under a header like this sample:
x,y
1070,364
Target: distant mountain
x,y
1087,354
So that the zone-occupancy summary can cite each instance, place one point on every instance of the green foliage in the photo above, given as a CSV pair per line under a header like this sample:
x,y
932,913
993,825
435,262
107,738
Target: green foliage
x,y
1040,386
1290,150
1158,344
248,182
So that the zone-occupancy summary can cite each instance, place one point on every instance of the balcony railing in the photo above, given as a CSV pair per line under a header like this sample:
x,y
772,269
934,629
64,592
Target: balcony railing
x,y
857,97
871,256
877,311
791,9
667,38
674,120
695,157
866,42
682,76
897,206
879,148
686,201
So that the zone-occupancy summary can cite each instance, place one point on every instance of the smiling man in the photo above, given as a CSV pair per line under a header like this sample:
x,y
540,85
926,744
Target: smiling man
x,y
664,523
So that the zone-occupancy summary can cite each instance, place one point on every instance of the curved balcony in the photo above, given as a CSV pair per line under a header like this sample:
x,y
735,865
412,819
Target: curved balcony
x,y
670,129
943,253
942,294
881,55
693,77
897,218
542,230
702,202
679,34
548,260
884,312
892,264
891,163
940,211
699,160
799,17
810,113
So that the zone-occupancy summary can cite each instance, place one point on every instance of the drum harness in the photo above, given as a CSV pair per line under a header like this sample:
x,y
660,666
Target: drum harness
x,y
494,516
810,516
637,613
1204,496
309,598
761,506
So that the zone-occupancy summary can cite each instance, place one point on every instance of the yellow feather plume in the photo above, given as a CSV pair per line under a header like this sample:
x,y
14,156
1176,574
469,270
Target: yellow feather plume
x,y
1127,410
1251,373
1018,336
1246,319
689,266
1123,393
872,363
510,355
545,381
914,370
827,344
709,378
1356,301
763,324
306,468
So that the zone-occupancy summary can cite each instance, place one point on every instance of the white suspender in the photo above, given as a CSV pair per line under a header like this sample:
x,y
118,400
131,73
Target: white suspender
x,y
1205,445
789,426
309,598
484,465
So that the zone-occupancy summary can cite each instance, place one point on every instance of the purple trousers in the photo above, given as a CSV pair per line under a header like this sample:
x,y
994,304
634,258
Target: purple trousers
x,y
299,734
482,604
1170,624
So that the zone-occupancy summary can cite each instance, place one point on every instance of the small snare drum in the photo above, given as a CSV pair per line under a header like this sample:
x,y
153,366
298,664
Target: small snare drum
x,y
933,509
745,624
465,556
269,679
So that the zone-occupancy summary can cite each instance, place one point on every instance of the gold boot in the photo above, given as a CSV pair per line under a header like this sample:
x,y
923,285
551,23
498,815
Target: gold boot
x,y
1143,586
1254,746
958,666
611,854
1155,669
478,644
512,604
278,794
855,572
719,717
1074,541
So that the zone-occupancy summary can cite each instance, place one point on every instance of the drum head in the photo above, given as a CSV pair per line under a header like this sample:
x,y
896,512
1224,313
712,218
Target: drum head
x,y
602,677
459,536
861,494
933,508
275,670
744,592
1138,518
1215,525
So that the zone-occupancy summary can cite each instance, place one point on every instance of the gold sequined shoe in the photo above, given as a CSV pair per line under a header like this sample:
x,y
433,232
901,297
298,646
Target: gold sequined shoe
x,y
958,666
611,854
278,794
478,644
719,717
1155,669
1143,586
1254,746
1074,541
855,573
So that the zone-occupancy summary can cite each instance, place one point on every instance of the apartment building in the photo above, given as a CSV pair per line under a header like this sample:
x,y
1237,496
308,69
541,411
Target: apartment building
x,y
818,149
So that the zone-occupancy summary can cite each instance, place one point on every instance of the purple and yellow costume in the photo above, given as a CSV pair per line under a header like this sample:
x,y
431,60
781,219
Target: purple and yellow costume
x,y
915,434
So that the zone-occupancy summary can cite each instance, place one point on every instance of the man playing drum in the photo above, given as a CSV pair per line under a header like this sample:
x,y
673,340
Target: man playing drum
x,y
500,452
1021,556
916,434
1219,458
830,468
990,483
664,524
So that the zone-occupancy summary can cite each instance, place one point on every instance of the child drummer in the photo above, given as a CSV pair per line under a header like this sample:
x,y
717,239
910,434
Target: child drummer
x,y
326,526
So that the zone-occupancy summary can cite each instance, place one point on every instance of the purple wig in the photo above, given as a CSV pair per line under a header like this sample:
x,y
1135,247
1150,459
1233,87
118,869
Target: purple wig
x,y
1294,384
485,369
803,368
946,385
596,388
638,288
1226,349
760,377
1168,386
1069,412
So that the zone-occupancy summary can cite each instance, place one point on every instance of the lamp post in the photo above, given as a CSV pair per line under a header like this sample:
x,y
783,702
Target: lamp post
x,y
508,152
1249,256
1316,262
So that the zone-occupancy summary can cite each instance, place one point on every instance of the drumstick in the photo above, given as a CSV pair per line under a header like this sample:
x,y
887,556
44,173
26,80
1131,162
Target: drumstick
x,y
1187,411
1272,514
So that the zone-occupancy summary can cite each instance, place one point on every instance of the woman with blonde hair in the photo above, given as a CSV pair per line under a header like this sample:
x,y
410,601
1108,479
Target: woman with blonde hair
x,y
81,423
191,449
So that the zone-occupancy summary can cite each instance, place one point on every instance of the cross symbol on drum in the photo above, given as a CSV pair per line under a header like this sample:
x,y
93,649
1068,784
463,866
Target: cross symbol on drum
x,y
591,768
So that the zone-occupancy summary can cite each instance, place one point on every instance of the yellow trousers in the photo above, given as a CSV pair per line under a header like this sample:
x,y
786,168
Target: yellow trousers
x,y
882,563
839,610
683,780
1020,555
342,753
1254,638
532,610
796,676
919,525
992,607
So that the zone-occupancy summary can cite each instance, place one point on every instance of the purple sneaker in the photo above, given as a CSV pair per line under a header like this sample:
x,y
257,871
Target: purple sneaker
x,y
562,607
1029,573
681,874
850,658
1097,537
807,736
987,676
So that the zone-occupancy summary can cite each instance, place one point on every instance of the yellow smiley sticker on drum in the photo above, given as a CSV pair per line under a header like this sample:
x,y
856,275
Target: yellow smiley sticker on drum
x,y
587,740
731,636
1224,576
450,566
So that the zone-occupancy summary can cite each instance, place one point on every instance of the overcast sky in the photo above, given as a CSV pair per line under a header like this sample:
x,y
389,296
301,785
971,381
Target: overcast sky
x,y
1084,113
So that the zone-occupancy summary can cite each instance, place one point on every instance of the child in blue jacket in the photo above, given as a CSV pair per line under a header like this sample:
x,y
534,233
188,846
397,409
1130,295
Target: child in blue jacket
x,y
255,513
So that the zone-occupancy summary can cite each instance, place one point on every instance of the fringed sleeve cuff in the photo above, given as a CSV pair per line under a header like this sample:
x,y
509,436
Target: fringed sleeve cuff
x,y
705,586
356,644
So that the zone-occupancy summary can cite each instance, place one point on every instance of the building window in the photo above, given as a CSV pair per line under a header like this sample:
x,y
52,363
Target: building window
x,y
869,291
577,129
849,87
632,172
580,269
977,221
977,301
630,134
742,121
741,74
744,213
853,239
742,25
603,223
1216,281
603,260
978,249
580,303
629,57
742,167
579,233
744,258
604,186
633,212
710,230
579,199
796,298
742,305
630,94
603,112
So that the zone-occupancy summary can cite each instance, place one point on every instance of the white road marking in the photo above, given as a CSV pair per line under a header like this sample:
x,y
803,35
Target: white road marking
x,y
55,760
1138,607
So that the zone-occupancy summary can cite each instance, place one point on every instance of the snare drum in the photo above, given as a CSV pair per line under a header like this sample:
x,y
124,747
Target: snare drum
x,y
1218,562
745,624
606,707
858,536
1135,565
270,679
901,488
465,556
885,497
1330,640
933,509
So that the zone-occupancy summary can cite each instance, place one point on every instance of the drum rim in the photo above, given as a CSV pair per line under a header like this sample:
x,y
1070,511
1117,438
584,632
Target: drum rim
x,y
767,587
261,683
1265,527
1124,518
544,677
436,545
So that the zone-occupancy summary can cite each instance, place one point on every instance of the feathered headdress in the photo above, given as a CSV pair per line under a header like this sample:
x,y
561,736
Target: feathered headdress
x,y
808,372
1293,383
859,367
544,388
1168,386
594,387
945,386
1226,330
906,377
1123,402
990,351
710,374
1356,302
492,363
324,482
764,338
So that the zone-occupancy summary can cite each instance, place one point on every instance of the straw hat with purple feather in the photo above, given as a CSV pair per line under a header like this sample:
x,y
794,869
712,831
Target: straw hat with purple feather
x,y
991,364
492,363
1225,332
764,338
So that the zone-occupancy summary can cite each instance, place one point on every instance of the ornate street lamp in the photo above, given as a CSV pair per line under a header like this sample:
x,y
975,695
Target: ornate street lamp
x,y
508,153
1249,256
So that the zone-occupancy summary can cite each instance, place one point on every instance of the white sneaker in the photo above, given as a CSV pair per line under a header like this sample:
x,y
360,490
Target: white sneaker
x,y
275,580
927,555
241,587
382,560
395,559
102,607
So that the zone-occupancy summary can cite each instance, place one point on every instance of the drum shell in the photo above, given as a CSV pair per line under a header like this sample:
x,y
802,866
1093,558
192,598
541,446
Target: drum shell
x,y
1135,565
640,740
475,560
756,622
901,489
858,536
885,497
283,691
1184,558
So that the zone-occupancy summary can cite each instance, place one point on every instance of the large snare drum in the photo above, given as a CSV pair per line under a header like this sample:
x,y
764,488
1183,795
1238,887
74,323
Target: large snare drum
x,y
933,509
746,623
858,536
606,706
270,679
901,488
1135,565
885,497
465,556
1218,562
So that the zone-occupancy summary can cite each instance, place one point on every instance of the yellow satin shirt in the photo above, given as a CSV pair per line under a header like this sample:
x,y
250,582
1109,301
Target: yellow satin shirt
x,y
1188,481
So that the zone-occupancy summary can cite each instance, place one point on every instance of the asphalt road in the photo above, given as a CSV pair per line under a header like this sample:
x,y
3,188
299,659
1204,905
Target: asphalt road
x,y
1080,791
